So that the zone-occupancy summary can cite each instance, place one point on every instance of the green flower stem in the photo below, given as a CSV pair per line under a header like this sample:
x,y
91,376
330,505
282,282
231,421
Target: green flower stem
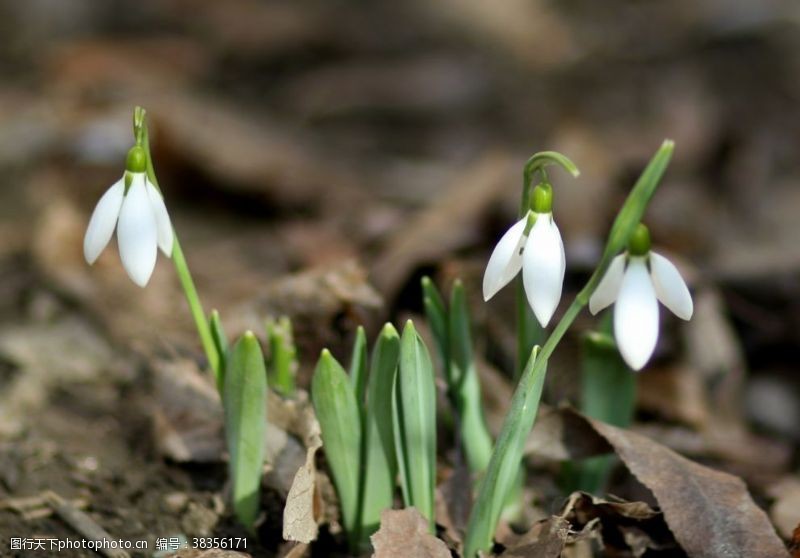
x,y
181,267
196,307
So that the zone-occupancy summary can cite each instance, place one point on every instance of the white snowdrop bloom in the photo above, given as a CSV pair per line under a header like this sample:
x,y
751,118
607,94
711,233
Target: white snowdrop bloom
x,y
533,244
636,281
140,217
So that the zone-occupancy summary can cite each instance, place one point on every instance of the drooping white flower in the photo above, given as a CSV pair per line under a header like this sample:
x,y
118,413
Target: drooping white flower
x,y
636,281
141,220
539,252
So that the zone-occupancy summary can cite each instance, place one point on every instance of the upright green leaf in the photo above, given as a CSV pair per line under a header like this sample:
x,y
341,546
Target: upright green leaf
x,y
436,313
245,406
358,365
608,393
221,344
415,424
282,362
504,464
380,472
465,386
340,422
636,203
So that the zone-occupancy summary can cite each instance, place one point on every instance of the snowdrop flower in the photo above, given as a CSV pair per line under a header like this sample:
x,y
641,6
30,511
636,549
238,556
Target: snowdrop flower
x,y
135,207
533,244
636,281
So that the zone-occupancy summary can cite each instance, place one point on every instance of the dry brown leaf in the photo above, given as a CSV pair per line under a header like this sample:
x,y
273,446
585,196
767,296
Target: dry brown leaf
x,y
299,517
404,534
675,393
710,512
623,527
546,539
560,436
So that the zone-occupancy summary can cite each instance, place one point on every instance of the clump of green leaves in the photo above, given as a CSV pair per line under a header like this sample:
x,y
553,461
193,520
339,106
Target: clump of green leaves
x,y
377,421
451,331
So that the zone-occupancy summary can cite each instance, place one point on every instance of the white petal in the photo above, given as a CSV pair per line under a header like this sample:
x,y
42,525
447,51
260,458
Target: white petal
x,y
163,224
670,287
136,233
104,219
636,315
506,260
543,268
606,292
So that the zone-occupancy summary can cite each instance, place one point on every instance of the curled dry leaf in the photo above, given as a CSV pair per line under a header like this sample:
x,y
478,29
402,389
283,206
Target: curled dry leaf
x,y
624,527
546,539
299,517
710,512
404,534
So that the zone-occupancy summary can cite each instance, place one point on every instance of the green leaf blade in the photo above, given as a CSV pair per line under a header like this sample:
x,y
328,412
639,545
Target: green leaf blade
x,y
465,385
221,344
381,463
415,424
340,422
505,461
636,203
282,356
358,365
436,314
245,407
608,393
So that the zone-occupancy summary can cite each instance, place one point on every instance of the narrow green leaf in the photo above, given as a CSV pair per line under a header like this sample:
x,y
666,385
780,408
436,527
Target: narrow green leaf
x,y
608,393
415,424
358,365
381,464
635,205
459,333
245,405
504,465
436,313
282,362
465,386
340,423
221,344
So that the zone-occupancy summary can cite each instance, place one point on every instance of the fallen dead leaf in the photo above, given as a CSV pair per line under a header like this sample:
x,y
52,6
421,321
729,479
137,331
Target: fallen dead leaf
x,y
299,517
623,527
404,534
710,512
546,539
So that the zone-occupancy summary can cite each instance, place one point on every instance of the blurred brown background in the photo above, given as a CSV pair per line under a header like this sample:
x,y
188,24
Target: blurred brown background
x,y
319,157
